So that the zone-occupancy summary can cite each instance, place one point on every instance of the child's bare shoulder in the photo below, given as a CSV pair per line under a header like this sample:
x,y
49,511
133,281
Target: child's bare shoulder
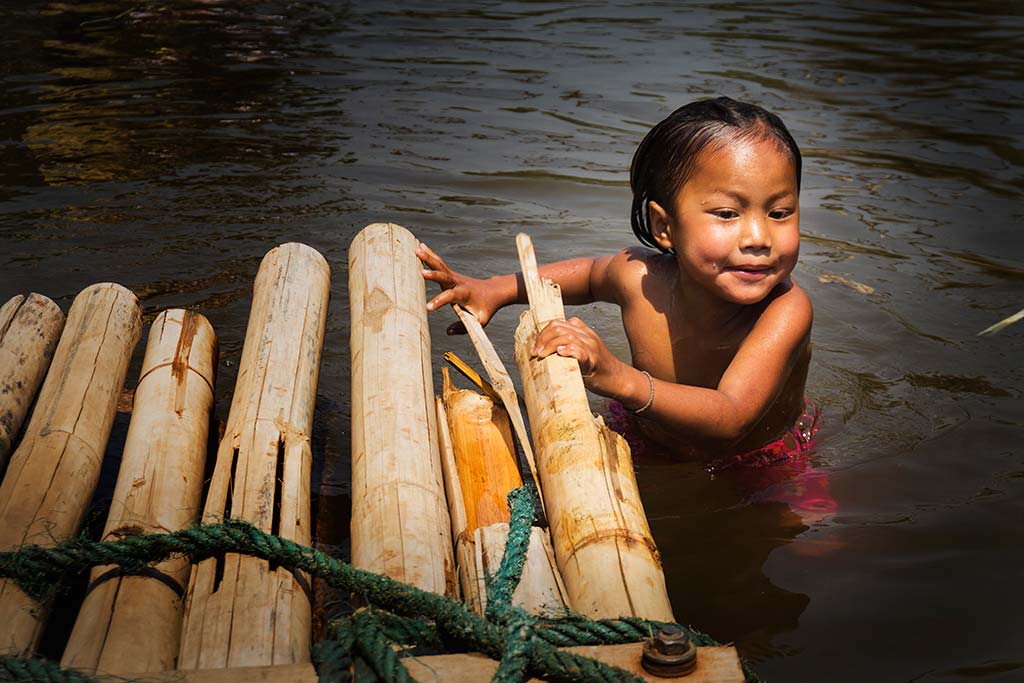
x,y
789,309
625,271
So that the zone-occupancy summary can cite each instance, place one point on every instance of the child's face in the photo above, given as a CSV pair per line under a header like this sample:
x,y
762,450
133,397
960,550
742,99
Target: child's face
x,y
735,225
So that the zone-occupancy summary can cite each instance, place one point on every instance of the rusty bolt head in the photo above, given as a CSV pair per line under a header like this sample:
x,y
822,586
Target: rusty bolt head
x,y
669,653
671,640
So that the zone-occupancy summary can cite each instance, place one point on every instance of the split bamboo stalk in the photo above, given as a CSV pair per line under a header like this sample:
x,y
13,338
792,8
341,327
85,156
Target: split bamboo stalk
x,y
158,490
400,523
242,611
29,330
478,459
501,382
53,474
602,541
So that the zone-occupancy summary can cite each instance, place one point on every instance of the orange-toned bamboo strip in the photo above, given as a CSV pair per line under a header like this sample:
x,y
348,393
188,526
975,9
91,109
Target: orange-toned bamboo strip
x,y
479,446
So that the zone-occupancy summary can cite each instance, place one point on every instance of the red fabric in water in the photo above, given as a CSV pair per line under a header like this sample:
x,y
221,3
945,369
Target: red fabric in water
x,y
779,471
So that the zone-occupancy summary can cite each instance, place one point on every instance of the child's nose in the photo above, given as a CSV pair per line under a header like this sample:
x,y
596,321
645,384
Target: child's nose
x,y
755,235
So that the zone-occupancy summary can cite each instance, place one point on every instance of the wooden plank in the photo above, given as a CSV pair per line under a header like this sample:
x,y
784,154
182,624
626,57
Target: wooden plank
x,y
29,330
158,489
241,611
603,545
714,665
400,523
53,473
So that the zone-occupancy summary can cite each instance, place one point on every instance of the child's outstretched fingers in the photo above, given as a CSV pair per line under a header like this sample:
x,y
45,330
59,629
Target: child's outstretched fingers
x,y
456,288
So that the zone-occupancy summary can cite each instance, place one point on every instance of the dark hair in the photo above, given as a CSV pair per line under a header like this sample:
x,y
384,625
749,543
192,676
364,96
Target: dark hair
x,y
667,155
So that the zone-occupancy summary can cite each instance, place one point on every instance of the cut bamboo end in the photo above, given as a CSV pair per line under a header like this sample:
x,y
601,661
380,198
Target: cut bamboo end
x,y
602,543
158,490
240,611
29,330
54,471
400,523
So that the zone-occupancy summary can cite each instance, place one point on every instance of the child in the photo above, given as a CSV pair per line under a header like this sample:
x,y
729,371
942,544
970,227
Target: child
x,y
718,331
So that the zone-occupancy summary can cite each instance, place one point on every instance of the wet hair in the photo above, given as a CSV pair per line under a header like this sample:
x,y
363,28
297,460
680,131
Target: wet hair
x,y
667,156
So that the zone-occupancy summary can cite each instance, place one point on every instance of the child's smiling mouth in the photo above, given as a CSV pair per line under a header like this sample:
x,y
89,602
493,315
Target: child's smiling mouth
x,y
750,272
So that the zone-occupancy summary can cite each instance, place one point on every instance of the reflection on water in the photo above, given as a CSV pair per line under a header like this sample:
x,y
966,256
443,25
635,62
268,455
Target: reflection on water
x,y
168,146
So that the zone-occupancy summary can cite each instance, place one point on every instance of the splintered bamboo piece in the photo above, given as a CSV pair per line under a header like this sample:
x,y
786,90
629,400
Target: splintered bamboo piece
x,y
484,454
501,382
478,460
400,523
158,490
29,330
53,474
603,544
243,611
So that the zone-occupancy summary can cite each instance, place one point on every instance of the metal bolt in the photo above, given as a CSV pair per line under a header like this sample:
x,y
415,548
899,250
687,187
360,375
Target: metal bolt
x,y
670,653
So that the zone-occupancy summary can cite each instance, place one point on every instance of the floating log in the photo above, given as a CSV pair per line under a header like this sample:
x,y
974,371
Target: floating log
x,y
54,471
29,330
717,664
478,459
602,542
158,489
400,523
241,611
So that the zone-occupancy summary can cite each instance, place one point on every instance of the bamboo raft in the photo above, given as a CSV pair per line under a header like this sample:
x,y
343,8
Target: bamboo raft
x,y
431,472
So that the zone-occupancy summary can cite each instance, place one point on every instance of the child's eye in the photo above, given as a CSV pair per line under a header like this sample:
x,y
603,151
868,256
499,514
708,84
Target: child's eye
x,y
779,214
725,214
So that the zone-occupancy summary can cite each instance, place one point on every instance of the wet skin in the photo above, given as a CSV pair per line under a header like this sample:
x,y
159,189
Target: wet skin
x,y
720,325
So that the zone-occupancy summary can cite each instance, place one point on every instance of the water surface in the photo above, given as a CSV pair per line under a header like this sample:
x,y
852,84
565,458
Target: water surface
x,y
167,146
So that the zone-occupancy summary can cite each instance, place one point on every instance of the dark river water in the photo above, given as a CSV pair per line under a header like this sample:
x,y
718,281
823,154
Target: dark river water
x,y
168,145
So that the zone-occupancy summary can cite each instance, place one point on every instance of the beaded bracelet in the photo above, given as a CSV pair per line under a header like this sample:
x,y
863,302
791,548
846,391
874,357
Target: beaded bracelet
x,y
650,399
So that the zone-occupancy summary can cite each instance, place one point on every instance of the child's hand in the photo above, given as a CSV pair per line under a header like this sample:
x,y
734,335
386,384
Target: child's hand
x,y
476,296
572,338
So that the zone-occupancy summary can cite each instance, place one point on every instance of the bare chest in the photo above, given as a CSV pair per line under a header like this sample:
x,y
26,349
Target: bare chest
x,y
668,348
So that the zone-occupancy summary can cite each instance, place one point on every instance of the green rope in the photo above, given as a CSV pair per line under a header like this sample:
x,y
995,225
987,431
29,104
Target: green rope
x,y
373,646
332,660
503,584
518,648
41,670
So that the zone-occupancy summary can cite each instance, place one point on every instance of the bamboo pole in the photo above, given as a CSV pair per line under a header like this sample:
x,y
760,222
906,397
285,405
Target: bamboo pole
x,y
29,330
241,611
478,460
53,474
400,524
603,544
158,490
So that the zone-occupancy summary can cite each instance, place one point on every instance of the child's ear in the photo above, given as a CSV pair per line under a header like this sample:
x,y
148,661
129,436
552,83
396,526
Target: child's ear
x,y
661,225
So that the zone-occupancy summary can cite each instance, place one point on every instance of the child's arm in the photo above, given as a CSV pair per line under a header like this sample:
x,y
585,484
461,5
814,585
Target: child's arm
x,y
582,281
723,415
